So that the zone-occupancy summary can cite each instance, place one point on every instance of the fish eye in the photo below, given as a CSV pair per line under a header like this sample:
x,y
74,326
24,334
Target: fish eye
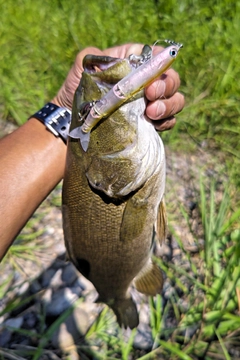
x,y
173,52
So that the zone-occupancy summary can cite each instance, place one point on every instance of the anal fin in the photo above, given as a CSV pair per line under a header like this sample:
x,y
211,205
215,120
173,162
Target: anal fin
x,y
150,280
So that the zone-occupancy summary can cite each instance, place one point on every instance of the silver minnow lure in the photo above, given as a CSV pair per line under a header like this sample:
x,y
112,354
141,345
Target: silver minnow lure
x,y
135,81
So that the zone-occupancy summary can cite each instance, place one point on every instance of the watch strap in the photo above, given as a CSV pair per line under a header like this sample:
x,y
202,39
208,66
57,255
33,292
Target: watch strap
x,y
56,119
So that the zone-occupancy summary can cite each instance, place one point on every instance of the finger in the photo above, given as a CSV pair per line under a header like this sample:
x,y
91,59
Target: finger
x,y
163,87
165,108
163,125
123,51
126,50
78,65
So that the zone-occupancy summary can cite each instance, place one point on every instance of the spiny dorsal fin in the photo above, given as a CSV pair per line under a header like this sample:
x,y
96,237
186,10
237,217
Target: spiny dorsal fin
x,y
150,280
161,223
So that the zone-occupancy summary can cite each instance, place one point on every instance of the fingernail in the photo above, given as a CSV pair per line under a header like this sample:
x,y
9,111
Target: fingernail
x,y
160,109
161,88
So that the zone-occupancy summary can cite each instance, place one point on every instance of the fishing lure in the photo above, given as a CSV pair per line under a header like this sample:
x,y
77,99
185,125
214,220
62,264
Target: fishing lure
x,y
146,68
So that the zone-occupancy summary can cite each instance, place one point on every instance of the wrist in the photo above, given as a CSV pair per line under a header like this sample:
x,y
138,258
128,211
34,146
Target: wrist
x,y
56,102
56,119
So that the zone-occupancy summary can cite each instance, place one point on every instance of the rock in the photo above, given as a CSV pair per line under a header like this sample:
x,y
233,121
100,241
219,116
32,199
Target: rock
x,y
69,274
30,320
60,247
168,290
15,323
177,253
72,329
93,310
85,283
47,276
35,286
23,288
144,314
5,337
90,296
56,280
143,339
192,248
183,305
6,333
59,301
164,251
73,355
46,296
190,331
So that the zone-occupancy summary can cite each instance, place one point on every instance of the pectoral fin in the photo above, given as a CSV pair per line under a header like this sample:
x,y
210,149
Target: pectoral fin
x,y
136,208
150,280
161,222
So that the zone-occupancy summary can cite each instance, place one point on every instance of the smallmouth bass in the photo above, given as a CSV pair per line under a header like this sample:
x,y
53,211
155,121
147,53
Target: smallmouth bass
x,y
114,180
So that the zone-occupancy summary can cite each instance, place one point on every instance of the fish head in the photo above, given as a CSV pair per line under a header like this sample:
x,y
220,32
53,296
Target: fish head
x,y
122,144
101,74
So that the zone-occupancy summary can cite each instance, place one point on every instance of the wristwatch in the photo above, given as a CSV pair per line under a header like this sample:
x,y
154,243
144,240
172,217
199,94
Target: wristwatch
x,y
56,119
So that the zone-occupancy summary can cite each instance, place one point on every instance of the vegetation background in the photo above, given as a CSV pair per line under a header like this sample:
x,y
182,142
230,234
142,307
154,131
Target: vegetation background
x,y
40,39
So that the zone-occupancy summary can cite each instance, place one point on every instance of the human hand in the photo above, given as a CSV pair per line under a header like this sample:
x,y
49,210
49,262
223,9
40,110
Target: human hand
x,y
164,101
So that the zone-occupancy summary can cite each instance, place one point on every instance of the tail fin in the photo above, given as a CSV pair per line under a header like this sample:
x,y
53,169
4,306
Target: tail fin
x,y
126,312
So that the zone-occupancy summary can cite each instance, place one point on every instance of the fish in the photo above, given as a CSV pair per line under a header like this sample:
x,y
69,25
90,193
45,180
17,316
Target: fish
x,y
113,189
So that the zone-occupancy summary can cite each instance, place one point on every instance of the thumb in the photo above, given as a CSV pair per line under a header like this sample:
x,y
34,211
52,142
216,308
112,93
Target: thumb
x,y
66,93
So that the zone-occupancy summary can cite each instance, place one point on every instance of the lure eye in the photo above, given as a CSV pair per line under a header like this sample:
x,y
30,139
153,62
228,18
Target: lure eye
x,y
173,52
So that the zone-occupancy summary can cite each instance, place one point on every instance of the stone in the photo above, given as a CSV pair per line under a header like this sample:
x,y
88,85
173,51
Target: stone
x,y
35,286
56,280
183,305
15,323
30,320
168,290
5,337
23,288
144,314
59,301
72,329
69,274
143,339
85,283
6,333
47,276
177,253
164,251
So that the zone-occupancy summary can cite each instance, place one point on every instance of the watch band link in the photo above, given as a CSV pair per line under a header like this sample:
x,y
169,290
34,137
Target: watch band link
x,y
56,119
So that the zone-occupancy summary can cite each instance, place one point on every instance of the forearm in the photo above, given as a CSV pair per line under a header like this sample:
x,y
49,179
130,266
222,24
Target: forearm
x,y
32,162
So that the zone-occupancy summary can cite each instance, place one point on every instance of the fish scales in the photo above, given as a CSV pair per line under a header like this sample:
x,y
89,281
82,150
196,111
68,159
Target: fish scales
x,y
99,217
112,195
